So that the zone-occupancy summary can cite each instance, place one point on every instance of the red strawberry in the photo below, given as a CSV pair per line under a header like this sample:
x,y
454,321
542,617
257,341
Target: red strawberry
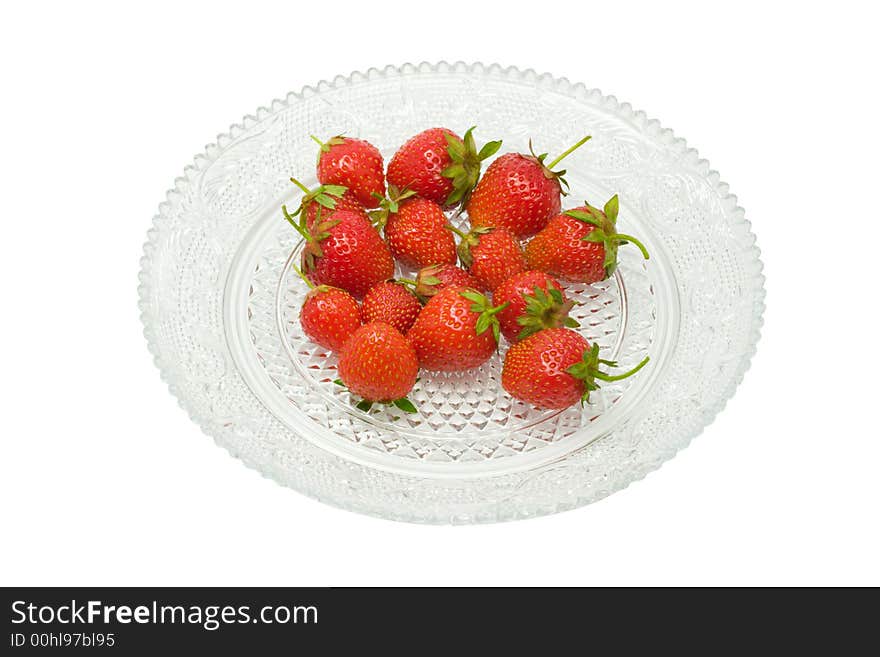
x,y
536,301
456,330
439,165
344,250
379,364
354,163
580,245
556,368
430,280
322,200
417,235
491,255
518,192
329,316
392,303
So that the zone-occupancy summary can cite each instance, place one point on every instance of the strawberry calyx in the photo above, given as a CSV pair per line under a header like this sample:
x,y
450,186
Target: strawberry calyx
x,y
409,284
587,370
325,145
488,313
426,283
468,242
388,205
545,309
320,231
364,405
548,168
324,195
424,287
605,232
466,163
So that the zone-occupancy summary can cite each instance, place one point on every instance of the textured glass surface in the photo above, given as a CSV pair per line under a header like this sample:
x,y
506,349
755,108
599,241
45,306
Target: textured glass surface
x,y
219,303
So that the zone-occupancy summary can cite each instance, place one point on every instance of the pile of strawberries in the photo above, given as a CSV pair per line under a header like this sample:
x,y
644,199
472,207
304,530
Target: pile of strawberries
x,y
449,318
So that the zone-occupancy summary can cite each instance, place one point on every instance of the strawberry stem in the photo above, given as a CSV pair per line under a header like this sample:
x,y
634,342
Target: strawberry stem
x,y
455,230
569,151
617,377
407,281
587,370
296,182
303,276
319,142
630,238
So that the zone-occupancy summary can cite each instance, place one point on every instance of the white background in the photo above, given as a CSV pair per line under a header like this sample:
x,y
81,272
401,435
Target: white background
x,y
104,479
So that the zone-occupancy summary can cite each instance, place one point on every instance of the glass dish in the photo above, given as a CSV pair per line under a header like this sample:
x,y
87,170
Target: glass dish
x,y
219,304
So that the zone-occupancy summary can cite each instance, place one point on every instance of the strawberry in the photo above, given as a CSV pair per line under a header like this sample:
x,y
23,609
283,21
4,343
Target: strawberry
x,y
536,301
379,365
452,333
438,165
353,163
322,200
556,368
392,303
519,192
329,316
580,245
491,255
417,235
430,280
344,250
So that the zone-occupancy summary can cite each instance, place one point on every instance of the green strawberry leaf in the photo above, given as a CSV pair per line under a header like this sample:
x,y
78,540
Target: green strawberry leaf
x,y
453,170
454,147
470,146
587,217
455,196
405,405
364,405
326,201
339,382
612,207
483,323
562,181
476,297
489,149
335,190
